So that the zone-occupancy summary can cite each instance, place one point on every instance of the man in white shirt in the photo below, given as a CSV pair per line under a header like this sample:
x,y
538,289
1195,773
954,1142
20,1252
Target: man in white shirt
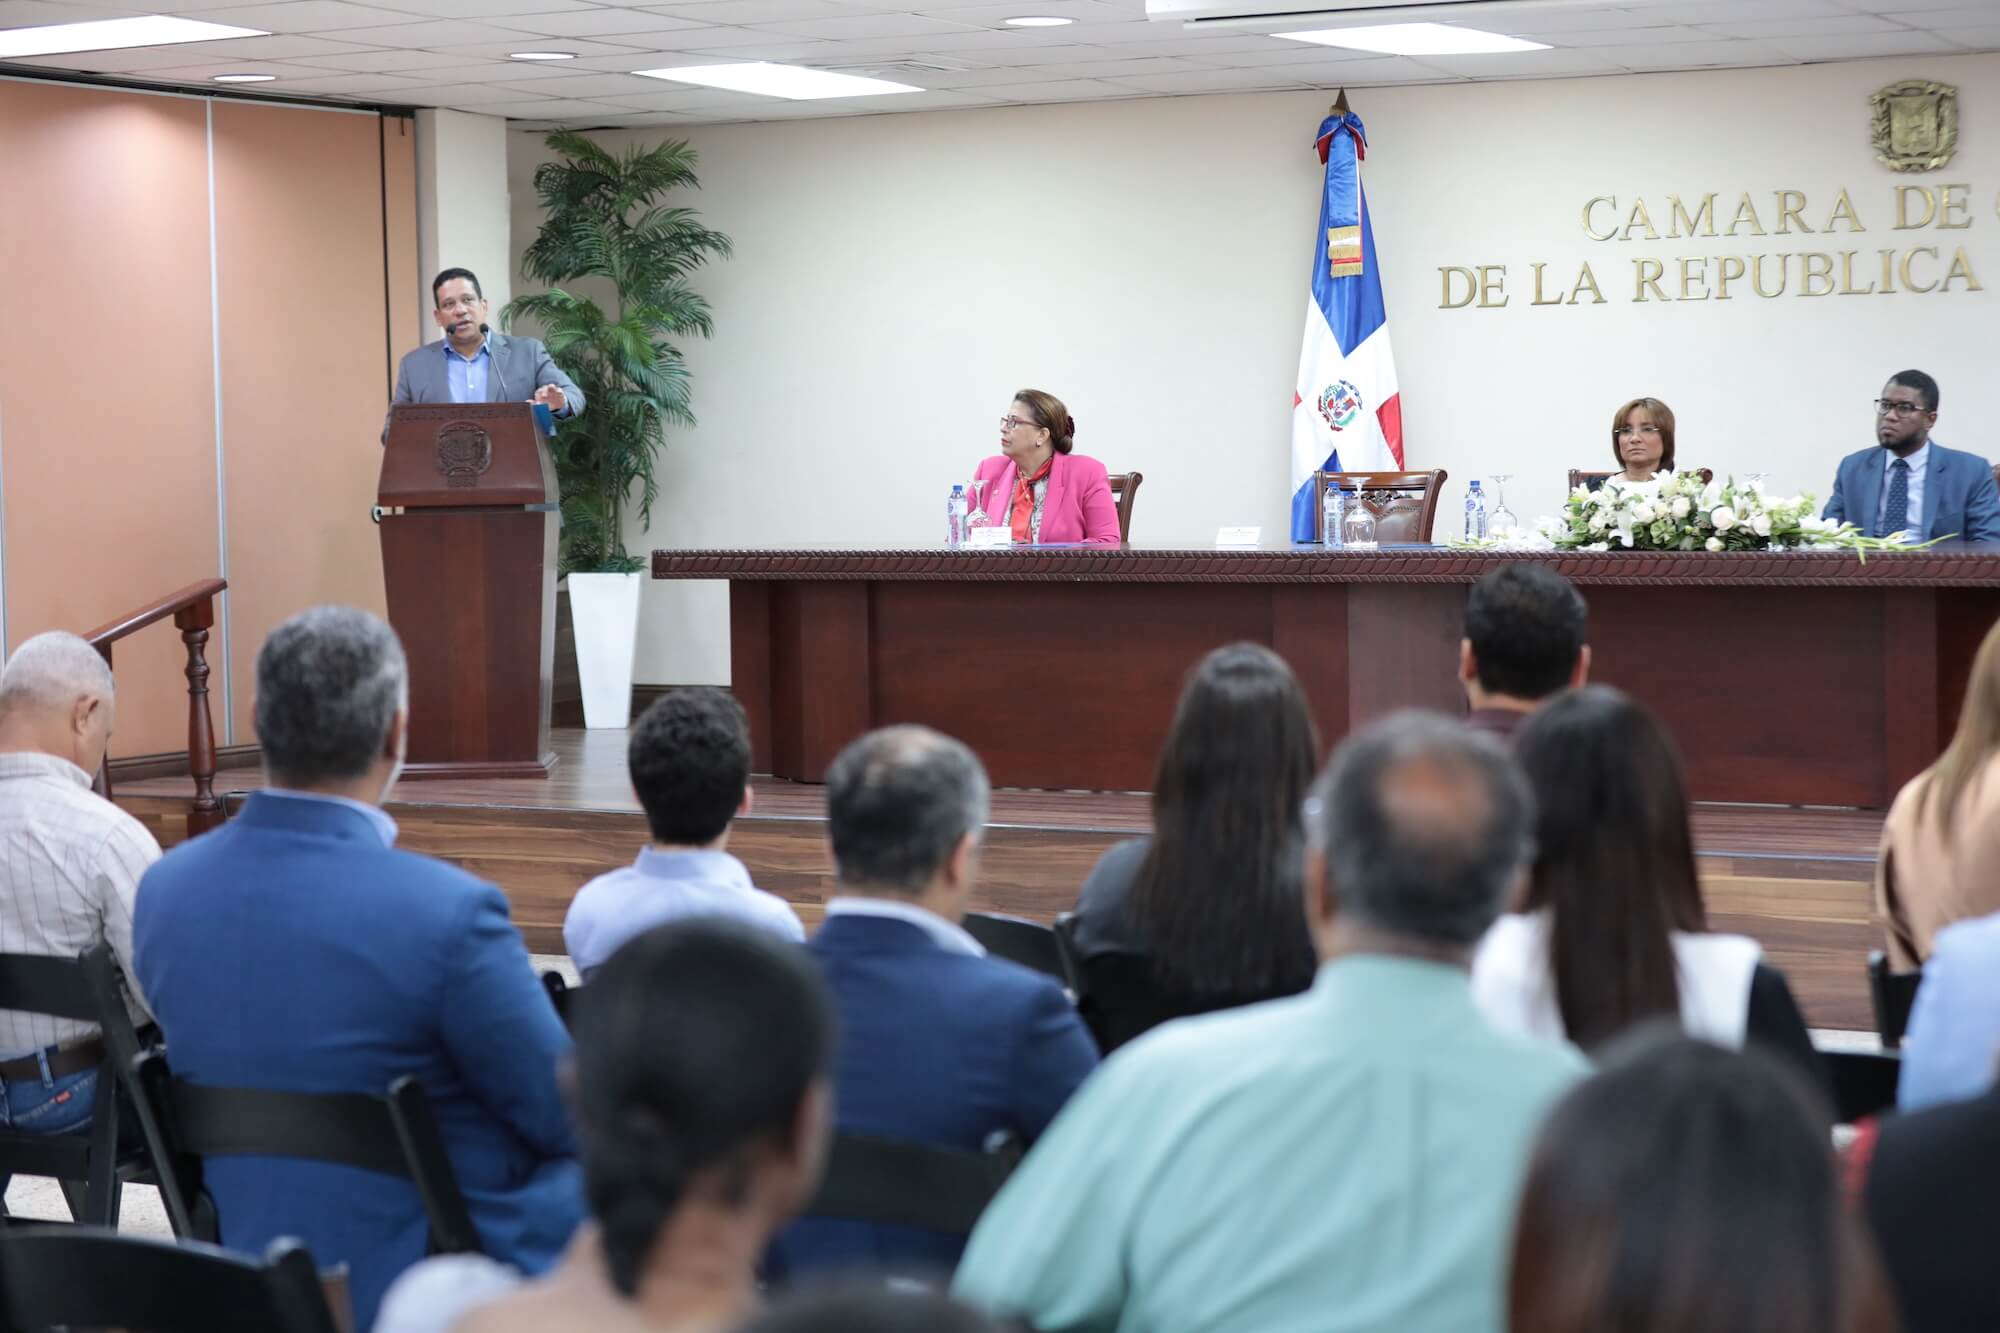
x,y
689,758
69,873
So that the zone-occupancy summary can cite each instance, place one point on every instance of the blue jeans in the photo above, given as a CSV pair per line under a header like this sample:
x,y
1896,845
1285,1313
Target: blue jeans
x,y
49,1105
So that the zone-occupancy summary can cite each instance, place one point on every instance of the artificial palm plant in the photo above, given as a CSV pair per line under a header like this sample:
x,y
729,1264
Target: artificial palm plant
x,y
602,223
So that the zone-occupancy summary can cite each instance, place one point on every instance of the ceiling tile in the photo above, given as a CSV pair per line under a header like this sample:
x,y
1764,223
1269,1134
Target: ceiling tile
x,y
353,84
303,16
589,87
797,49
638,120
283,46
1667,35
990,15
1524,65
866,25
36,13
593,23
462,94
1974,39
497,71
1802,27
1063,90
481,9
1275,52
500,50
1691,55
1734,11
435,33
385,62
1214,81
1860,45
136,61
549,109
754,11
1111,69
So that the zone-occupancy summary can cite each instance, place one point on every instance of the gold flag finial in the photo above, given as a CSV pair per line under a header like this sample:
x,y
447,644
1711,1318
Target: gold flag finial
x,y
1339,107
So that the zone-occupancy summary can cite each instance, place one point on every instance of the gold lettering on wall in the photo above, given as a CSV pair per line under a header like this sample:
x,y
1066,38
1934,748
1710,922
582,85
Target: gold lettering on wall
x,y
1847,287
1694,273
1492,282
1701,224
1790,204
1586,279
1757,274
1647,272
1553,300
1903,193
1961,267
1746,216
1816,273
1471,287
1639,217
1953,201
1727,270
1909,282
1592,232
1843,210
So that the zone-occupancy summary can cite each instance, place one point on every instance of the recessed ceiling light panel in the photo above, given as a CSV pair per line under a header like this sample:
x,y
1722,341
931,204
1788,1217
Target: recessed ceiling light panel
x,y
771,80
1416,39
1037,21
542,55
244,78
56,39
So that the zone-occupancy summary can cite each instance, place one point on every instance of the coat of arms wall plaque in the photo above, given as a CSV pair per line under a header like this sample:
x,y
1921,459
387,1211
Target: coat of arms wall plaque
x,y
1915,125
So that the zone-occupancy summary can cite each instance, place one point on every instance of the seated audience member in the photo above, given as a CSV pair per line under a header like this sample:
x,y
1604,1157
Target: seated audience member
x,y
1524,641
1205,913
1690,1189
296,949
70,872
689,757
939,1044
703,1055
871,1309
1924,1180
1940,855
1037,487
1952,1043
1642,439
1910,483
1614,931
1343,1160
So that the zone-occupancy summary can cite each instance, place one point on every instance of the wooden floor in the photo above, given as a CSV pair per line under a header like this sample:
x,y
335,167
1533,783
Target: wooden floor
x,y
1795,879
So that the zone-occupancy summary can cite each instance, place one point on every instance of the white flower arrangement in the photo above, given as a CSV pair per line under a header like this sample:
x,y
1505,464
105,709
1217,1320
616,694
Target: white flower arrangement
x,y
1678,511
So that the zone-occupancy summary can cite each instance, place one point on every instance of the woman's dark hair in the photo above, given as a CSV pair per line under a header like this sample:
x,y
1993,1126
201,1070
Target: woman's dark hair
x,y
1690,1189
1663,417
1048,412
870,1308
695,1043
1217,897
1614,860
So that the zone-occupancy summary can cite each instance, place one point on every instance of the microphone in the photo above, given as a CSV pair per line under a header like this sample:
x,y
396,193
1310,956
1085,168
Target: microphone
x,y
494,361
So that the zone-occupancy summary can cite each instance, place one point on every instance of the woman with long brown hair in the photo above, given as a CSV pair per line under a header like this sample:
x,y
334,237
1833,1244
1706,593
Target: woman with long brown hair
x,y
1940,856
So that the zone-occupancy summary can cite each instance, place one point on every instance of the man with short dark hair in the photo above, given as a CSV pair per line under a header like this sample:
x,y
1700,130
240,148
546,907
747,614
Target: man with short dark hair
x,y
1524,641
939,1044
1342,1161
689,759
296,949
1910,483
476,364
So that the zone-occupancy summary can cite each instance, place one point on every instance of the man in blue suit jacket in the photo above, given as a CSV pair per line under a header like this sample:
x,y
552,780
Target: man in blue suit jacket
x,y
1911,483
296,949
939,1044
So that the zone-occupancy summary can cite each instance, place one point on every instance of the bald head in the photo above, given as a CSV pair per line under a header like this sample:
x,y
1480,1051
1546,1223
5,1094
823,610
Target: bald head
x,y
56,696
1424,826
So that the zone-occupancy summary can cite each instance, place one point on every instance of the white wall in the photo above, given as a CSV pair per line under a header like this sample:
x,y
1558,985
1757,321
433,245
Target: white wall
x,y
897,276
463,212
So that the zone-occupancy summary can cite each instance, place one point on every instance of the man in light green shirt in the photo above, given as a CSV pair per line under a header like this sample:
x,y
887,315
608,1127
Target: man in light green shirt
x,y
1347,1159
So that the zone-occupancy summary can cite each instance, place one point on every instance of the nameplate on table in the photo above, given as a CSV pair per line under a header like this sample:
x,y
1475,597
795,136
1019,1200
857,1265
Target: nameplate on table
x,y
1239,536
993,535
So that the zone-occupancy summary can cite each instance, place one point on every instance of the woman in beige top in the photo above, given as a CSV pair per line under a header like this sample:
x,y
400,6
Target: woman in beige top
x,y
1940,855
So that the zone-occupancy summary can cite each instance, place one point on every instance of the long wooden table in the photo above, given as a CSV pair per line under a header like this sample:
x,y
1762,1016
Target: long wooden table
x,y
1795,678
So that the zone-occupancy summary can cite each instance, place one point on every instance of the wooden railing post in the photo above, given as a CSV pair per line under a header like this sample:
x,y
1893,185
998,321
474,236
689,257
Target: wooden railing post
x,y
194,622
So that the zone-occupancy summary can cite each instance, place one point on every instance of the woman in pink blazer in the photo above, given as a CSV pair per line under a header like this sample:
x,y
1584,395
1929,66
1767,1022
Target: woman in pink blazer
x,y
1037,487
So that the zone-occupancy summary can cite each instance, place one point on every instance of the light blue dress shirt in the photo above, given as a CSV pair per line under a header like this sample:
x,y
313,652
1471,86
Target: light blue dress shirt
x,y
1952,1044
667,886
467,375
1919,462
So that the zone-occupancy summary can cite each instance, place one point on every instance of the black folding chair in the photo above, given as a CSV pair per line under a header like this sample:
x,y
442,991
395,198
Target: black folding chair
x,y
394,1135
910,1184
82,1277
1018,940
88,1166
561,994
1893,995
1864,1083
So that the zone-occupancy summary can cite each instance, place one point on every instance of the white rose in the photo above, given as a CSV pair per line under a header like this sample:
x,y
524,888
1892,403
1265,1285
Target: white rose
x,y
1724,518
1681,507
1714,543
1597,521
1761,525
1642,512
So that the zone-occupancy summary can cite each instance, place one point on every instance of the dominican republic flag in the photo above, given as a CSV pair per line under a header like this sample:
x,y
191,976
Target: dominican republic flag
x,y
1346,415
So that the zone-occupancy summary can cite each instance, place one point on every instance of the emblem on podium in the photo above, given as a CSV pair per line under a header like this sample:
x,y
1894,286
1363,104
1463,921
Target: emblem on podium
x,y
464,451
1915,125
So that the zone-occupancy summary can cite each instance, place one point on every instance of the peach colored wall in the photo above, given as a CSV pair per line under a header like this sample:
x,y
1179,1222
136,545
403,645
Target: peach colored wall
x,y
298,215
107,387
409,306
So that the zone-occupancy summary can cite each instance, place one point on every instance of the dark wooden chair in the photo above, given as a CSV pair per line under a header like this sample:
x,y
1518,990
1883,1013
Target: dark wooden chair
x,y
1863,1083
89,1167
1018,940
561,994
1594,480
910,1184
1405,504
1125,489
81,1277
394,1135
1893,994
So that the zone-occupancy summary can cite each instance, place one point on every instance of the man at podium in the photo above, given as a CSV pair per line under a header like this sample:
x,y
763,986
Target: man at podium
x,y
478,364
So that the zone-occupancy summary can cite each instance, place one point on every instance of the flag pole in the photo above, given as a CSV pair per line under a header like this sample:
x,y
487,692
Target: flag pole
x,y
1339,107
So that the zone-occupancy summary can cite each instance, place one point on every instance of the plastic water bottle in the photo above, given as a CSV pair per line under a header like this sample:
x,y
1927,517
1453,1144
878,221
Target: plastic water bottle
x,y
1475,513
1332,516
954,517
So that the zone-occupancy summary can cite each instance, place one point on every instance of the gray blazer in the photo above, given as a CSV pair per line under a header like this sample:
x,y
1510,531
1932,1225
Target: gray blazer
x,y
520,366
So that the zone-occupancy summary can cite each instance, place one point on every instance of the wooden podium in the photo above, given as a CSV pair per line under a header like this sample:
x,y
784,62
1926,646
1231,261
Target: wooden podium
x,y
468,510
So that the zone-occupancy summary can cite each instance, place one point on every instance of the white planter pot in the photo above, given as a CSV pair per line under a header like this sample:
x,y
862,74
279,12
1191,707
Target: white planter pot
x,y
605,611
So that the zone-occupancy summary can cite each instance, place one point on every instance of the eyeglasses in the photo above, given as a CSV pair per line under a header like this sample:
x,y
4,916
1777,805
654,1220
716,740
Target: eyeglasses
x,y
1637,430
1009,422
1890,408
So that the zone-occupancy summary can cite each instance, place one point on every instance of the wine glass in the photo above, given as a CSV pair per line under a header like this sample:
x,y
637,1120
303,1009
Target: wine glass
x,y
1754,481
1358,528
978,518
1501,523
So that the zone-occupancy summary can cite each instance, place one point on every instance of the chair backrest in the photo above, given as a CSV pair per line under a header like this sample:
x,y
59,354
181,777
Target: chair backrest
x,y
1405,504
561,994
394,1135
1595,480
910,1184
1893,994
84,1277
1125,488
1864,1083
1018,940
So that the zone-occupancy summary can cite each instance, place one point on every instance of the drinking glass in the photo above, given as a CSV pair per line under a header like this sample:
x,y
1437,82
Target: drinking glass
x,y
1501,523
1358,529
978,518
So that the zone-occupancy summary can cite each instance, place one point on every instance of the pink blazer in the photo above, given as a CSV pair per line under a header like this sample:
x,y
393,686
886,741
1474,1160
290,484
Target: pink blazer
x,y
1077,508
